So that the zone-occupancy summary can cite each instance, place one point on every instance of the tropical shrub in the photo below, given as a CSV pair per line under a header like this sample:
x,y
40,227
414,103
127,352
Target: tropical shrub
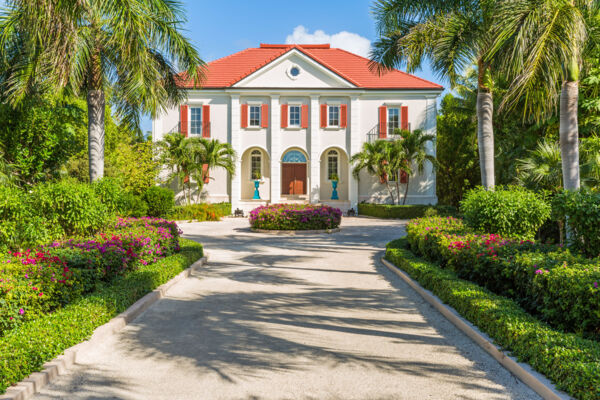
x,y
160,201
111,194
573,363
512,211
403,211
201,212
582,210
134,165
134,206
295,217
546,280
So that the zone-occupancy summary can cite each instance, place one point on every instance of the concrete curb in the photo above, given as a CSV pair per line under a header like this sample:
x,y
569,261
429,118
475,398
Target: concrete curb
x,y
294,232
61,364
522,371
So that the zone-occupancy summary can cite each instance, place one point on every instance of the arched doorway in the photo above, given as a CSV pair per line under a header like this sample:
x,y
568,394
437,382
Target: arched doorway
x,y
293,173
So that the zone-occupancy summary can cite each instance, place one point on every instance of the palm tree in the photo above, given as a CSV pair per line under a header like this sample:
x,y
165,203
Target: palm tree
x,y
413,146
541,171
130,50
452,34
543,43
177,154
379,159
208,155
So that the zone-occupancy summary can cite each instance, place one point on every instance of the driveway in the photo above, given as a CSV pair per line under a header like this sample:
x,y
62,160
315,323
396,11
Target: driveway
x,y
290,317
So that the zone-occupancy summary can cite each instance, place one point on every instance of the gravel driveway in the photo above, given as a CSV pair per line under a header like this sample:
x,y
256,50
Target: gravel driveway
x,y
311,316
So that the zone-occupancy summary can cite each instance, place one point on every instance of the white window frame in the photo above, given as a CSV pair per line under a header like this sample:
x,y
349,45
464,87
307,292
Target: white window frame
x,y
259,106
256,153
390,131
339,115
198,124
290,116
337,163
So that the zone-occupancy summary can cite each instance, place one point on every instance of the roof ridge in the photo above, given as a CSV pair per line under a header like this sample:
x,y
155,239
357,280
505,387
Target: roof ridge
x,y
231,55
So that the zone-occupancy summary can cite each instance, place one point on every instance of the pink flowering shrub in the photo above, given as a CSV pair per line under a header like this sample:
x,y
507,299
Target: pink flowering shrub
x,y
295,217
546,280
35,282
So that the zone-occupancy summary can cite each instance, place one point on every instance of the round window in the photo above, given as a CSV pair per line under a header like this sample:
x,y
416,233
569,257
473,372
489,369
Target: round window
x,y
295,71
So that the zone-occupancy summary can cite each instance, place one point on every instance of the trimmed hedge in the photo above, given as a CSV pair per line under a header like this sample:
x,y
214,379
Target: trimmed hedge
x,y
582,209
160,201
295,217
571,362
26,348
403,211
201,212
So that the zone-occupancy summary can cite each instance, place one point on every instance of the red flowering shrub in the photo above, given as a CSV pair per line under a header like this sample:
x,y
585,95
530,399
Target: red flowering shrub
x,y
295,217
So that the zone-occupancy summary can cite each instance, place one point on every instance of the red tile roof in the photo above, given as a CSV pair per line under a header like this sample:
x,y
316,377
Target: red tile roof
x,y
227,71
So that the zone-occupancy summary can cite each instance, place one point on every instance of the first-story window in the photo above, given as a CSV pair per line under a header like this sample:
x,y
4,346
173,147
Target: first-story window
x,y
334,116
256,165
294,116
393,120
196,120
393,176
332,165
254,119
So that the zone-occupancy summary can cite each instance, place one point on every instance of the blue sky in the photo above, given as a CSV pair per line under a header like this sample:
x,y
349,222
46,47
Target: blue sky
x,y
219,28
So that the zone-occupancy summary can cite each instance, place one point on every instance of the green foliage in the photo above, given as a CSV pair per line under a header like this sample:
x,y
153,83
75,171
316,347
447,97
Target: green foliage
x,y
134,165
582,210
568,360
511,211
111,194
26,348
69,206
542,169
134,206
201,212
403,211
160,201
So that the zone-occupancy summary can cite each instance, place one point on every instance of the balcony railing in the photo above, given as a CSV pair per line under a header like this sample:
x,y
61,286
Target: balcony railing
x,y
373,134
205,126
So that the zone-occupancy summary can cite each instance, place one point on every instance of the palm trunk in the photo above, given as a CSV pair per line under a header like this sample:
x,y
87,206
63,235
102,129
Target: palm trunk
x,y
406,190
96,106
569,135
387,183
485,137
398,186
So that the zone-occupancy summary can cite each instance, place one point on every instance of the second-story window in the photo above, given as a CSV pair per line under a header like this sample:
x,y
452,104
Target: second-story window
x,y
393,120
254,116
334,116
294,116
196,120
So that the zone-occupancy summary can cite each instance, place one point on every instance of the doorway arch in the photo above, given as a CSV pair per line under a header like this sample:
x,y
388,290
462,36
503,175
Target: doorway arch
x,y
294,173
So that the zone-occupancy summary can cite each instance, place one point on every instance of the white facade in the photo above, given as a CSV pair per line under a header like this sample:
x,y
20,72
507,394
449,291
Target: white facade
x,y
305,86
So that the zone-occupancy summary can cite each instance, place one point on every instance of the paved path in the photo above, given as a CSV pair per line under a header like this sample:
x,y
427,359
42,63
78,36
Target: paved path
x,y
290,317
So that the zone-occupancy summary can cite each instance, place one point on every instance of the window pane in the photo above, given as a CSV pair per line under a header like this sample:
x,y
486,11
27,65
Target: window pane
x,y
294,115
195,120
393,119
332,166
254,116
334,116
256,165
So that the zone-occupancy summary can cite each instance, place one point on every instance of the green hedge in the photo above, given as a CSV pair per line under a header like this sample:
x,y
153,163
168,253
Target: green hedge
x,y
571,362
403,211
201,212
26,348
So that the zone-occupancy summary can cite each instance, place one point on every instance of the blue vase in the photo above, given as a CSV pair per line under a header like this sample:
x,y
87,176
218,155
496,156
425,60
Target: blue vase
x,y
334,193
256,192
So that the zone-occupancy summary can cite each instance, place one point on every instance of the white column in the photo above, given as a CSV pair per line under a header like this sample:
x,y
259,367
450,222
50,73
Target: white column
x,y
236,143
355,142
315,150
275,150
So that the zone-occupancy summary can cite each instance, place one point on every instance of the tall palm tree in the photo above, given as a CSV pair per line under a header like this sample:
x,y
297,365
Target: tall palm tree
x,y
177,154
454,35
413,146
208,155
379,159
543,43
130,49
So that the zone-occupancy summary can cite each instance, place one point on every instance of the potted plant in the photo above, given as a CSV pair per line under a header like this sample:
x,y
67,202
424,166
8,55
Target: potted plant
x,y
334,178
257,177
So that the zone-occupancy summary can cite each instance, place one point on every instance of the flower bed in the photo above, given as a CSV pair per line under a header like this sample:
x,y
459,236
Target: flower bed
x,y
573,363
36,282
547,280
295,217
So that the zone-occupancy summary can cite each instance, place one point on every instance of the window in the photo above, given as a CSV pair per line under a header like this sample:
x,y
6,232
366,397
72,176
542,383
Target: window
x,y
334,116
256,164
393,177
294,116
295,71
196,120
393,120
254,116
332,164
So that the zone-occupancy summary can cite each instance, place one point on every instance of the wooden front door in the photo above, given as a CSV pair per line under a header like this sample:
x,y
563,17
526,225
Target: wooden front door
x,y
293,178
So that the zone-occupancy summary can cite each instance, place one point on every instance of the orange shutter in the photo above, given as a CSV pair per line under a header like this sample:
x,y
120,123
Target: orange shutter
x,y
323,115
264,116
284,115
304,116
205,173
183,120
343,115
403,177
206,121
382,122
404,118
244,114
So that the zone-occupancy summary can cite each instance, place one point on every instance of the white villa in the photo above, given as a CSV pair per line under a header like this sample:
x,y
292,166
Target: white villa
x,y
295,114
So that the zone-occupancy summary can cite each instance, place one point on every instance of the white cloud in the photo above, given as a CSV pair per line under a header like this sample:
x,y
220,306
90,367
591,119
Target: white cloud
x,y
349,41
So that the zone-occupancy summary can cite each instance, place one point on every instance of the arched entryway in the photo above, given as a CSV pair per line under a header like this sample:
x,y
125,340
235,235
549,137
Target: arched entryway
x,y
255,166
294,173
334,164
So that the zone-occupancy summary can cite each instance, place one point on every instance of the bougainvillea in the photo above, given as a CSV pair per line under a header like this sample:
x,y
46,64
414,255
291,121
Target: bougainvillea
x,y
295,217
